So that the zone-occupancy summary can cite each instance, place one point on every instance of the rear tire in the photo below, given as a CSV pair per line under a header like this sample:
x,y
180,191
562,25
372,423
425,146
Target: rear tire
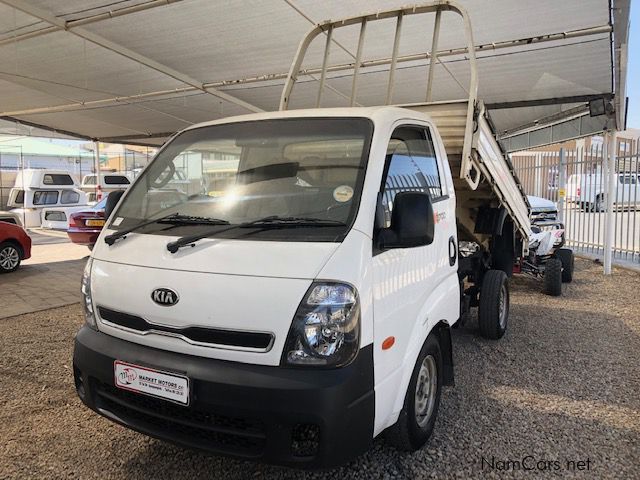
x,y
598,206
418,416
493,309
553,277
565,255
10,257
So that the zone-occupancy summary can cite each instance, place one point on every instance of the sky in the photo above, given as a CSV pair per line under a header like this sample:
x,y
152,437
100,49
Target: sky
x,y
633,65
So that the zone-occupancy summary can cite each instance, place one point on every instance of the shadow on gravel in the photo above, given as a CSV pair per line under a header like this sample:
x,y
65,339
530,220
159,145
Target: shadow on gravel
x,y
554,390
562,385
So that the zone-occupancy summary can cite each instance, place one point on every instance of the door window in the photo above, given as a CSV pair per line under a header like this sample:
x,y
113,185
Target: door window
x,y
627,179
412,166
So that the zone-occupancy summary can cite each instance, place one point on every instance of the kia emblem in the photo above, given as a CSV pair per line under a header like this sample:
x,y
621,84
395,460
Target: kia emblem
x,y
165,297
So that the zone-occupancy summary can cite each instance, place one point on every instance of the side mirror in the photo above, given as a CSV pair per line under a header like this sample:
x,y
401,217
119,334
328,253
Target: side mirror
x,y
112,200
412,222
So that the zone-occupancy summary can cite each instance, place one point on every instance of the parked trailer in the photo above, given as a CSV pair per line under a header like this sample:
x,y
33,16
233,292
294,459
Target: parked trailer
x,y
306,308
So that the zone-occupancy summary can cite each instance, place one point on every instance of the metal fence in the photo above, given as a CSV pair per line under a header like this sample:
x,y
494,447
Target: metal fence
x,y
578,181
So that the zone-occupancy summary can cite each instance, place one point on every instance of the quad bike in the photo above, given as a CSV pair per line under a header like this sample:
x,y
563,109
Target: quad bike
x,y
547,259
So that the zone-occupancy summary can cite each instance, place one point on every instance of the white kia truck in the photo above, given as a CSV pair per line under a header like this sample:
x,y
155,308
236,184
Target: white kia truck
x,y
302,303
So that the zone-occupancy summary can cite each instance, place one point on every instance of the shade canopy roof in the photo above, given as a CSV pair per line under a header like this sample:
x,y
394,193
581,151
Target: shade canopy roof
x,y
135,71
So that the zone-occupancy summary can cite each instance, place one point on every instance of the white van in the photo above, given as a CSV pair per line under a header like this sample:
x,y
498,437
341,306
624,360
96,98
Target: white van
x,y
109,182
302,305
38,189
588,191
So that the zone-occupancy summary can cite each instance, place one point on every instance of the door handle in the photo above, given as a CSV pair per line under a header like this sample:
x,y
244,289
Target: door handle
x,y
453,251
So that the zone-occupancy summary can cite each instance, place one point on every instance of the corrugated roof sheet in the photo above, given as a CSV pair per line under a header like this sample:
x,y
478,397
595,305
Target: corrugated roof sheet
x,y
223,43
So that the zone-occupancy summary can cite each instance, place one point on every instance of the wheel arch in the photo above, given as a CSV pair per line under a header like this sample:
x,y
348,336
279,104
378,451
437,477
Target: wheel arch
x,y
442,332
16,244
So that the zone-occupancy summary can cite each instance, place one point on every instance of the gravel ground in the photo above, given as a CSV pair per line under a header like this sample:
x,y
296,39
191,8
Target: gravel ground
x,y
562,386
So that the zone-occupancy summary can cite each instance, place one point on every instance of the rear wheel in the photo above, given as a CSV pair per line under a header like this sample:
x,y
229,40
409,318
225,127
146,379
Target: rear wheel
x,y
493,308
565,255
598,206
9,257
553,277
418,416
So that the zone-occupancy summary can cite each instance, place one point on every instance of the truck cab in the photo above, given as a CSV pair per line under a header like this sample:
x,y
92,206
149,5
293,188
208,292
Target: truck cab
x,y
323,268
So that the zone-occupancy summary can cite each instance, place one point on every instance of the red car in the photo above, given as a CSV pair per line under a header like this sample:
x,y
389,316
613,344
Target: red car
x,y
86,225
15,246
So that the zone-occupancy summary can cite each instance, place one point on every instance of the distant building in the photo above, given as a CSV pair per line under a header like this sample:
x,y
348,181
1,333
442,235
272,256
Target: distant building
x,y
121,158
29,152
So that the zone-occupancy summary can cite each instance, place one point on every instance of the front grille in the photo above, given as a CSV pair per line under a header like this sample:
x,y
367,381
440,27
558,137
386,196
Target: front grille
x,y
188,425
200,335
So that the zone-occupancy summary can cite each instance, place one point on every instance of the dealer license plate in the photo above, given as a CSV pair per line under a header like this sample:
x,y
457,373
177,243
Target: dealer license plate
x,y
151,382
95,223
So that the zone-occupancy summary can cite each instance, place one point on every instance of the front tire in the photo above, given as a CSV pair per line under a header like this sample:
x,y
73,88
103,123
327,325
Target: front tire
x,y
493,308
418,416
565,255
10,257
553,277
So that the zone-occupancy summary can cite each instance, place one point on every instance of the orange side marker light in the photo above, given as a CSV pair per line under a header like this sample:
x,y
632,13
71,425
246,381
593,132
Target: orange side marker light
x,y
388,343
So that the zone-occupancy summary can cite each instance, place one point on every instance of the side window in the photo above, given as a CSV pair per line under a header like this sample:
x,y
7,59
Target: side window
x,y
57,179
412,167
69,196
43,197
19,200
116,180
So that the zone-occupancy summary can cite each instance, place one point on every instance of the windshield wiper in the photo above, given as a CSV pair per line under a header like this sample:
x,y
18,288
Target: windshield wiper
x,y
174,218
266,222
296,221
193,220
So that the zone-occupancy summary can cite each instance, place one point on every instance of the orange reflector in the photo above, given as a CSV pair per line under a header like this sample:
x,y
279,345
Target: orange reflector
x,y
388,343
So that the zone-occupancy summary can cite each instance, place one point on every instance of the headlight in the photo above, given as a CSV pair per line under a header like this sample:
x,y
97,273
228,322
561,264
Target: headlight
x,y
87,303
326,327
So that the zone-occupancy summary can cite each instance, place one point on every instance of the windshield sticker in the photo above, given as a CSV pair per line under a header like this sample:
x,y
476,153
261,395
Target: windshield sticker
x,y
343,193
117,221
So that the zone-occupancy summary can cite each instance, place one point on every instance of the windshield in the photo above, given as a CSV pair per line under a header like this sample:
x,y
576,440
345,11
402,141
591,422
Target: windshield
x,y
101,204
302,168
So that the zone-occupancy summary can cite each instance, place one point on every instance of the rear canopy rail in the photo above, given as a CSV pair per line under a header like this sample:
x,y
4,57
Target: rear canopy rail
x,y
467,169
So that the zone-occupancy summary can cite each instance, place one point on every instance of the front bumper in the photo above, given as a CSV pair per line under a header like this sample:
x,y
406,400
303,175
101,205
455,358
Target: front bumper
x,y
296,417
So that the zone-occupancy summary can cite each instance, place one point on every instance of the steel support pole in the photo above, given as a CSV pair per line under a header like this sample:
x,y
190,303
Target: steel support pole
x,y
610,180
433,54
562,185
96,165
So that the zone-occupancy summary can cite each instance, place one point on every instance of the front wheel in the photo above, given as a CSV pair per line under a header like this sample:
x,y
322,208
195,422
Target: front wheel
x,y
493,308
553,277
418,416
9,257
